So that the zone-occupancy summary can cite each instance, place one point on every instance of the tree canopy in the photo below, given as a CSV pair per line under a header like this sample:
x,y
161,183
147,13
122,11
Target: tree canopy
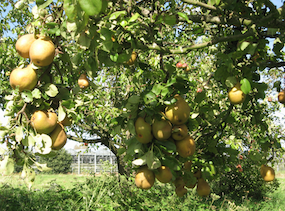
x,y
137,55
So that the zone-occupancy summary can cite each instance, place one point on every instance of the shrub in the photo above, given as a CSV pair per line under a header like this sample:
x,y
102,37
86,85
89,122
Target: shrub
x,y
243,180
60,162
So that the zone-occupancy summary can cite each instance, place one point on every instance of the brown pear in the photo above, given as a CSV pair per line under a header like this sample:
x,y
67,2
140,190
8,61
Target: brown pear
x,y
161,129
281,97
144,178
143,131
203,188
164,174
24,78
180,191
179,112
179,132
23,45
42,51
188,165
83,81
58,137
44,121
186,147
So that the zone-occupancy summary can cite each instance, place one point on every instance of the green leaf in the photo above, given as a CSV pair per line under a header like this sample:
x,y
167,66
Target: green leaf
x,y
7,166
170,19
170,146
91,7
231,81
36,93
134,17
51,90
131,127
134,99
184,16
61,113
69,9
116,14
42,167
140,161
84,41
27,96
19,134
42,4
152,161
43,143
245,86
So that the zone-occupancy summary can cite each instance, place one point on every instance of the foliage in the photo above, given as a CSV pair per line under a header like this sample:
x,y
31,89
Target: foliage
x,y
60,162
221,42
105,193
243,180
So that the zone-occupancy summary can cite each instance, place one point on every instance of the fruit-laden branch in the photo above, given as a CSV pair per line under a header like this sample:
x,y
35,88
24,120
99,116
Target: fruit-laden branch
x,y
187,49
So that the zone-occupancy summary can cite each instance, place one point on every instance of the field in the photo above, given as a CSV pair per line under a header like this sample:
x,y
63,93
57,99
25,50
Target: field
x,y
82,192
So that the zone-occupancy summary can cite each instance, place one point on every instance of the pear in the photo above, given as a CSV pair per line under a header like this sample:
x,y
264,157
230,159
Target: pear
x,y
163,174
186,147
267,173
58,137
23,45
178,113
83,81
44,121
143,130
180,191
179,132
203,188
144,178
236,95
24,78
161,129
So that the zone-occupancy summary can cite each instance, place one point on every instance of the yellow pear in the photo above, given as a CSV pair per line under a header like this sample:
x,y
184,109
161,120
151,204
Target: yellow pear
x,y
44,121
179,132
144,178
133,58
178,113
267,173
58,137
42,51
161,129
143,131
23,45
281,97
203,188
186,147
236,95
83,81
164,174
24,78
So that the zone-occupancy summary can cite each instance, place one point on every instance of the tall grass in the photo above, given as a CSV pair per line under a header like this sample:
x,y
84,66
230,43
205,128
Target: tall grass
x,y
107,193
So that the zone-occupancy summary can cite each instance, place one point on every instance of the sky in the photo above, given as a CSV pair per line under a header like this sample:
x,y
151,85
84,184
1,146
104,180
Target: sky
x,y
71,144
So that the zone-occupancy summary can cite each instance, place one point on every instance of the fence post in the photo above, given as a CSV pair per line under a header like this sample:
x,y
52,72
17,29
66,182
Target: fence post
x,y
78,163
95,163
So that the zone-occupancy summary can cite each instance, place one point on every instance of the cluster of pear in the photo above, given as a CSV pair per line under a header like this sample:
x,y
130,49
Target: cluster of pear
x,y
170,127
267,173
41,51
46,122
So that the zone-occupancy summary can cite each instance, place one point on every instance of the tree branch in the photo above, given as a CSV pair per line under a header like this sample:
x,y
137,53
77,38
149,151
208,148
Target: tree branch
x,y
200,4
184,50
97,140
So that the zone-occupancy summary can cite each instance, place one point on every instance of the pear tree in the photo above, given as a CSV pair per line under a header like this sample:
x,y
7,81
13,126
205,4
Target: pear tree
x,y
160,83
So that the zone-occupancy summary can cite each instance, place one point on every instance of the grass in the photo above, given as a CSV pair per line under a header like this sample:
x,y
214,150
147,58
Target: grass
x,y
74,192
43,181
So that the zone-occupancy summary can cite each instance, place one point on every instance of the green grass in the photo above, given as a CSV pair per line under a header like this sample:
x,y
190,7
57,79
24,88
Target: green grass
x,y
43,181
76,192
